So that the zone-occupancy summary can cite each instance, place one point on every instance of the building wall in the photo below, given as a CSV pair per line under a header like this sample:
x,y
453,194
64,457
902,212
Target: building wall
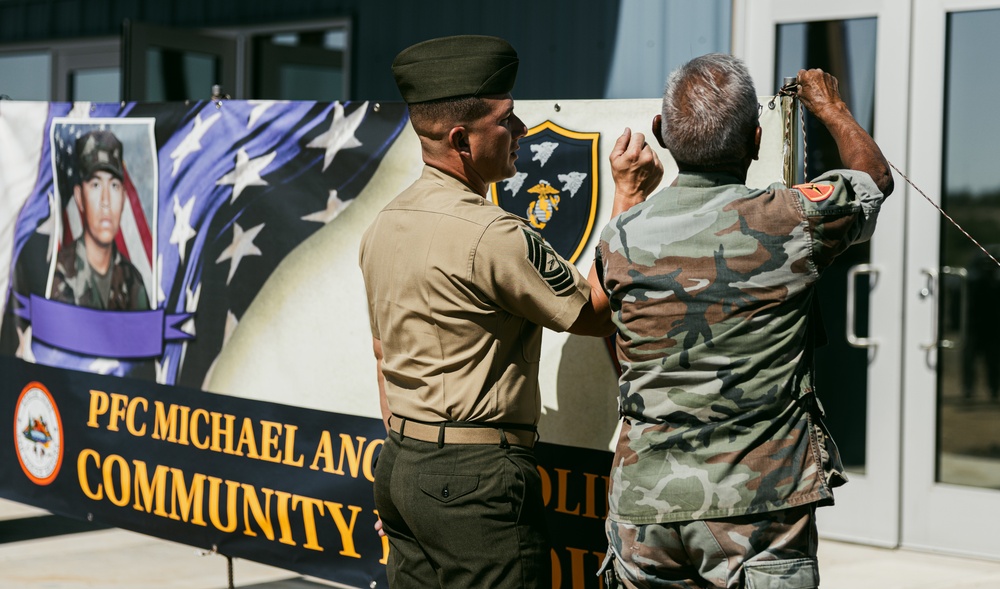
x,y
569,48
565,45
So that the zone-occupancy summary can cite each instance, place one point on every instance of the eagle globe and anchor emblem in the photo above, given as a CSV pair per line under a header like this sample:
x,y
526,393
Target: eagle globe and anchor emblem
x,y
555,188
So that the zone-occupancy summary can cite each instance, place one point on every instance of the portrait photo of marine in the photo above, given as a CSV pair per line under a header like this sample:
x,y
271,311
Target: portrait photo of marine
x,y
106,180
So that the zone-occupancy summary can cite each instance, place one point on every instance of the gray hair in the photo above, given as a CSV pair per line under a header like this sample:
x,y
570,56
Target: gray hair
x,y
709,110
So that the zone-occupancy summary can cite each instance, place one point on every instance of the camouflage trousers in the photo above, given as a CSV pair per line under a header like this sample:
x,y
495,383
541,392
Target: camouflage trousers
x,y
774,550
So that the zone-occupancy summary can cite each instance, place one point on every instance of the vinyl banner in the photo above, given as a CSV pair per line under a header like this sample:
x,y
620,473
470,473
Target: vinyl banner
x,y
184,343
268,482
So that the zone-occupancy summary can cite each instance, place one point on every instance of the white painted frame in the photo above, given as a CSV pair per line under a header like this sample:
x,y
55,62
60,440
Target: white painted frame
x,y
936,516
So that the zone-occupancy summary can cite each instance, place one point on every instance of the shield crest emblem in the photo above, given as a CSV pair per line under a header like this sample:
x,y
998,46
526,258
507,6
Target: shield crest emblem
x,y
555,187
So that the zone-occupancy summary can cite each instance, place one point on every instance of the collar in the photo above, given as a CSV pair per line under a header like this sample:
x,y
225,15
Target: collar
x,y
447,180
704,179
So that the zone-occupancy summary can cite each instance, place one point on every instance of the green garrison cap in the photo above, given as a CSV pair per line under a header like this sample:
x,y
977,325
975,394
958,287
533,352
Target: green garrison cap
x,y
465,65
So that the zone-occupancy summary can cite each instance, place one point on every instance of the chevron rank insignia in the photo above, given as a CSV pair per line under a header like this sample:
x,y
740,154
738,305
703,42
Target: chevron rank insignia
x,y
553,270
815,192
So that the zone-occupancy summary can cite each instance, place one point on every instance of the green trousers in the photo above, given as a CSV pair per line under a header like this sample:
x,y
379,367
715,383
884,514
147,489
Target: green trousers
x,y
462,516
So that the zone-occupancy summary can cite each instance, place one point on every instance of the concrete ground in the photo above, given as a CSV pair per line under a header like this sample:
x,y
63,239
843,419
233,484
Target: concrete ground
x,y
112,559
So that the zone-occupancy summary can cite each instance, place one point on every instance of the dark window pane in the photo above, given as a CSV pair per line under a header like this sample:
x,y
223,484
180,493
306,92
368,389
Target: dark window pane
x,y
969,316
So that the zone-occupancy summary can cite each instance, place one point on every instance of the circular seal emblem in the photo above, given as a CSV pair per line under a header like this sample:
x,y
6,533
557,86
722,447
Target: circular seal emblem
x,y
38,434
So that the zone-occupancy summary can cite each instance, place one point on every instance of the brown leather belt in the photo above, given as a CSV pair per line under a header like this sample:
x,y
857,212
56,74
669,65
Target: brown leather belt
x,y
464,432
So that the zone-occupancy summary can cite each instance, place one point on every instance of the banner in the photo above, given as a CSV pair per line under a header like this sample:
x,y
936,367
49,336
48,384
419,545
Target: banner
x,y
185,343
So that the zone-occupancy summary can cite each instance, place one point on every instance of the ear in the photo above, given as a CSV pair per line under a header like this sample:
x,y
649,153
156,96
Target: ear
x,y
755,149
458,139
658,130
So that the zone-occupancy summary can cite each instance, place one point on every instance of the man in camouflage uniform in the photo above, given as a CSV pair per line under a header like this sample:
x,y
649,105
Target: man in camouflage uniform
x,y
722,457
92,272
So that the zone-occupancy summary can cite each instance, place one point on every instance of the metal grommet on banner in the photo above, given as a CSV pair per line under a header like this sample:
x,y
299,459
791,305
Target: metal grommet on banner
x,y
218,96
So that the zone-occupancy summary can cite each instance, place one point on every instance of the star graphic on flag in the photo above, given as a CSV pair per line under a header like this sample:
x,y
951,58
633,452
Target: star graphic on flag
x,y
192,141
340,135
24,345
241,247
162,370
191,298
246,173
182,232
334,206
191,306
260,107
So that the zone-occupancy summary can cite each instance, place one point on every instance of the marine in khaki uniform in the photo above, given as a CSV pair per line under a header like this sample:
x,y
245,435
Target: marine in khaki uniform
x,y
458,293
722,456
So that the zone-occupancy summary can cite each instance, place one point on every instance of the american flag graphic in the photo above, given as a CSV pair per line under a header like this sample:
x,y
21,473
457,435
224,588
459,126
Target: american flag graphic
x,y
231,189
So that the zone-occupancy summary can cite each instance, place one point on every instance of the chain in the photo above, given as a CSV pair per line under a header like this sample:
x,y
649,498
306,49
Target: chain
x,y
789,90
805,146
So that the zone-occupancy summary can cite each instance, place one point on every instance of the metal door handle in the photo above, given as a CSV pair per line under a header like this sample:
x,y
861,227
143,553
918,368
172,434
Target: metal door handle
x,y
852,337
963,298
930,290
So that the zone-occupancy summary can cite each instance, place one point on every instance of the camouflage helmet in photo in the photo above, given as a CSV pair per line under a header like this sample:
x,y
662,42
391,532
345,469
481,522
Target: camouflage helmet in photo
x,y
98,151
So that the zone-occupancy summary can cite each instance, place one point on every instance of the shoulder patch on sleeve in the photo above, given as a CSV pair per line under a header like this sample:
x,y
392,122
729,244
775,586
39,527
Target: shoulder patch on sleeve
x,y
815,192
553,270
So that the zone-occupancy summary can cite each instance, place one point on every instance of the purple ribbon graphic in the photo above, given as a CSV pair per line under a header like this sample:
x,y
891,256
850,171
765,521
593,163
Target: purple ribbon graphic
x,y
103,334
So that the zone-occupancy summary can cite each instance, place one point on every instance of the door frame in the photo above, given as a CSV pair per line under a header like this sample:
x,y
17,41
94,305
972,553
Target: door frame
x,y
936,516
137,38
868,507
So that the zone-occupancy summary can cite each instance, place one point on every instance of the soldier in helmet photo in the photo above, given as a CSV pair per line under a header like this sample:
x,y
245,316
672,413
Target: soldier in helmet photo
x,y
91,272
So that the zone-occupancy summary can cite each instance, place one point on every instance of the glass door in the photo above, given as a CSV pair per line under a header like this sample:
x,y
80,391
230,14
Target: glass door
x,y
304,64
89,72
863,43
951,489
288,61
164,64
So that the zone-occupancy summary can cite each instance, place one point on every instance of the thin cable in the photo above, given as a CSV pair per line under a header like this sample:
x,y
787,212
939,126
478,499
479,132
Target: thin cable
x,y
788,90
944,214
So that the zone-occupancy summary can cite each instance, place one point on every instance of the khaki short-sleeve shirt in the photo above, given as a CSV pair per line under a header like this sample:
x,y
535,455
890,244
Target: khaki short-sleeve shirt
x,y
458,290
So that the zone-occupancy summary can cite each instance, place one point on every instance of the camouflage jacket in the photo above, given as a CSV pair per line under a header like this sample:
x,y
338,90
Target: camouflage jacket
x,y
711,285
75,282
